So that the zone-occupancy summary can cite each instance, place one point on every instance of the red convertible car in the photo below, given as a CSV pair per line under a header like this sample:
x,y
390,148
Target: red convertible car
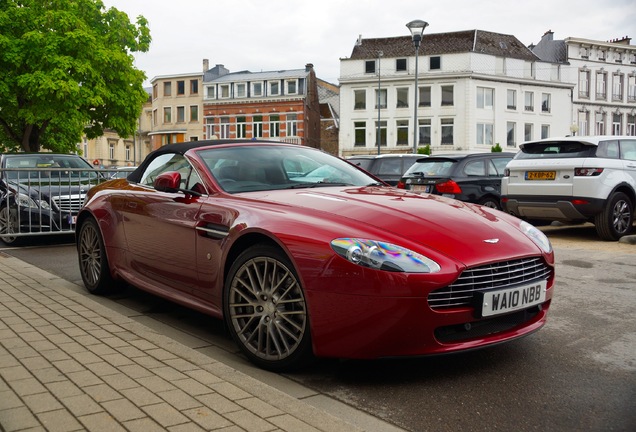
x,y
302,254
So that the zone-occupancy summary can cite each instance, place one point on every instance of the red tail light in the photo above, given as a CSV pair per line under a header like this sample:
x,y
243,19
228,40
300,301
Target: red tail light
x,y
449,187
587,172
401,185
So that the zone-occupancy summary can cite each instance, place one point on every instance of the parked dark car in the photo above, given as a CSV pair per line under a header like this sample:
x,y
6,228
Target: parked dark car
x,y
41,193
387,167
474,178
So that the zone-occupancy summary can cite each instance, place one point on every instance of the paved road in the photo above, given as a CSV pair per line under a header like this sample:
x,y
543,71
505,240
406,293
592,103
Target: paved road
x,y
578,373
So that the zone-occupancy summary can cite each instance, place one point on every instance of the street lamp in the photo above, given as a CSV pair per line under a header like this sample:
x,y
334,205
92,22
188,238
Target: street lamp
x,y
379,130
417,30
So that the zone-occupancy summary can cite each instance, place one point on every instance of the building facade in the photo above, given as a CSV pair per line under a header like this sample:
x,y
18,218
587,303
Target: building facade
x,y
176,109
604,77
475,89
278,105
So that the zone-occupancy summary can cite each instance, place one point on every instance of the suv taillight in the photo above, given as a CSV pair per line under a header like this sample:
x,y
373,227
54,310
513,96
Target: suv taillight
x,y
587,172
401,185
449,187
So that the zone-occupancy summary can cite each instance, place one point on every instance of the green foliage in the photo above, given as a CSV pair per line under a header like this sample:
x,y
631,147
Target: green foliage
x,y
424,150
67,69
496,148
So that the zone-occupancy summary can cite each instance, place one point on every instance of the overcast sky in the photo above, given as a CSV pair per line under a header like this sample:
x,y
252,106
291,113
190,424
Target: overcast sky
x,y
259,35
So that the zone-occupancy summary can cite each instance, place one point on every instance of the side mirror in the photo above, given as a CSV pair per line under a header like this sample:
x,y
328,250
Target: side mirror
x,y
168,182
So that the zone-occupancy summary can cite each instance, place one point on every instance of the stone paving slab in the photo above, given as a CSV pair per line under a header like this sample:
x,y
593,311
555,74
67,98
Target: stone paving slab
x,y
68,363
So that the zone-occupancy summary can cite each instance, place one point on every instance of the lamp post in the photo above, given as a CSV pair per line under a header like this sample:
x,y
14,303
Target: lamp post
x,y
417,30
380,53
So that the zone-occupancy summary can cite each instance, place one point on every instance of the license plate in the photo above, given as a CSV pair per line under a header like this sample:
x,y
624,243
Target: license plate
x,y
513,299
72,220
422,188
540,175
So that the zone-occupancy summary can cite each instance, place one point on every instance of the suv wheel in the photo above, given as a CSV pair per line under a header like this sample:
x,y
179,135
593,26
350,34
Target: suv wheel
x,y
616,219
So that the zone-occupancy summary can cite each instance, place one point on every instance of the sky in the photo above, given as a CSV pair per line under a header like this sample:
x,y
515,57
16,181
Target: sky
x,y
258,35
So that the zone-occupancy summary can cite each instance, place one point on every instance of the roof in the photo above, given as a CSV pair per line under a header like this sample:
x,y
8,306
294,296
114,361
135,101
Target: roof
x,y
479,41
260,76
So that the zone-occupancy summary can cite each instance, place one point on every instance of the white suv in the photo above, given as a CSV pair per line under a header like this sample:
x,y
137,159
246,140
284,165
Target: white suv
x,y
574,179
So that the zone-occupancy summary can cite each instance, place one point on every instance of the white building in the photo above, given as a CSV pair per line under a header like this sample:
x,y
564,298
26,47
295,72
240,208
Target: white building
x,y
604,78
475,89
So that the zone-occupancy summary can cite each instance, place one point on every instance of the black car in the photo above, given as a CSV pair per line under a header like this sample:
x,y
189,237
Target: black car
x,y
387,167
41,193
474,178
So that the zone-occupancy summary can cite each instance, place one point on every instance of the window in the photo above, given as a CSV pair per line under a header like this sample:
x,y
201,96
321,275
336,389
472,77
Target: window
x,y
180,88
240,90
292,86
155,120
291,125
630,128
154,91
209,127
631,88
241,127
194,113
485,97
167,114
617,87
528,104
601,85
584,83
599,123
475,168
425,97
602,55
274,126
583,120
545,131
360,134
211,92
257,126
402,98
180,114
111,150
485,133
448,131
402,127
424,137
435,63
274,88
128,152
528,131
447,95
194,87
511,99
584,52
224,91
382,126
360,99
369,66
545,102
380,98
257,89
617,124
224,128
167,88
400,65
511,134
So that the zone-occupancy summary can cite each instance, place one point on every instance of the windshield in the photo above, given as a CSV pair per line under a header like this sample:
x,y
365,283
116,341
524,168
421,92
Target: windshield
x,y
556,149
45,168
435,168
259,168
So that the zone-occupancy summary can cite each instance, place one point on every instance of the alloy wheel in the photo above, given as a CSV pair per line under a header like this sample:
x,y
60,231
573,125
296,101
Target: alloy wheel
x,y
90,254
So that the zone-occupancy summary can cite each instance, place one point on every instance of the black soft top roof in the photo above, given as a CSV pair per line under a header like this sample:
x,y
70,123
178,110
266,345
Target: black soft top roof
x,y
182,148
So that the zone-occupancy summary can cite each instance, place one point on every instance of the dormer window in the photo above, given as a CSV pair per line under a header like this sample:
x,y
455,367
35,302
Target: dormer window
x,y
257,89
240,90
291,86
274,88
224,91
210,92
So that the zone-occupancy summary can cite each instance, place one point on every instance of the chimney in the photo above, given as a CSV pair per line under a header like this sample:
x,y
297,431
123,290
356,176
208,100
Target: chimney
x,y
206,65
309,67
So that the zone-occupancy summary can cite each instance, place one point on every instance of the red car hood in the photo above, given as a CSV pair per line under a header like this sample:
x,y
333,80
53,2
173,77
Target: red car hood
x,y
469,233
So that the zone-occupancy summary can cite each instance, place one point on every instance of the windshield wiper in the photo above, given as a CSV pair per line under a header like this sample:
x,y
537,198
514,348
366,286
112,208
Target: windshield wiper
x,y
317,184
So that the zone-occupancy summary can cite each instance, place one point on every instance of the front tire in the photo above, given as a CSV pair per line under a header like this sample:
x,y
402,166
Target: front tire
x,y
265,309
490,202
9,225
93,262
616,219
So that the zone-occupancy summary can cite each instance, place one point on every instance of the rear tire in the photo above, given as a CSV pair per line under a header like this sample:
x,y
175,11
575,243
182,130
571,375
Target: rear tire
x,y
616,219
93,262
265,309
490,202
8,225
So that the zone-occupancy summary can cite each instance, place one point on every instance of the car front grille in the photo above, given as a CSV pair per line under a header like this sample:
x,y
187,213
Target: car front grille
x,y
69,203
484,278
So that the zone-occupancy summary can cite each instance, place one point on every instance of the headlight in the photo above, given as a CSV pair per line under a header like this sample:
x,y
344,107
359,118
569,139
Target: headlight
x,y
28,202
536,236
383,256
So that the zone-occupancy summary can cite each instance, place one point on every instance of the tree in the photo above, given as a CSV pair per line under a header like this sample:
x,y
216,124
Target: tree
x,y
66,69
496,148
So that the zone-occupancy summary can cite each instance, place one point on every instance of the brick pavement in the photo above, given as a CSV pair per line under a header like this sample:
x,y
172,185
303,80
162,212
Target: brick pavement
x,y
68,363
